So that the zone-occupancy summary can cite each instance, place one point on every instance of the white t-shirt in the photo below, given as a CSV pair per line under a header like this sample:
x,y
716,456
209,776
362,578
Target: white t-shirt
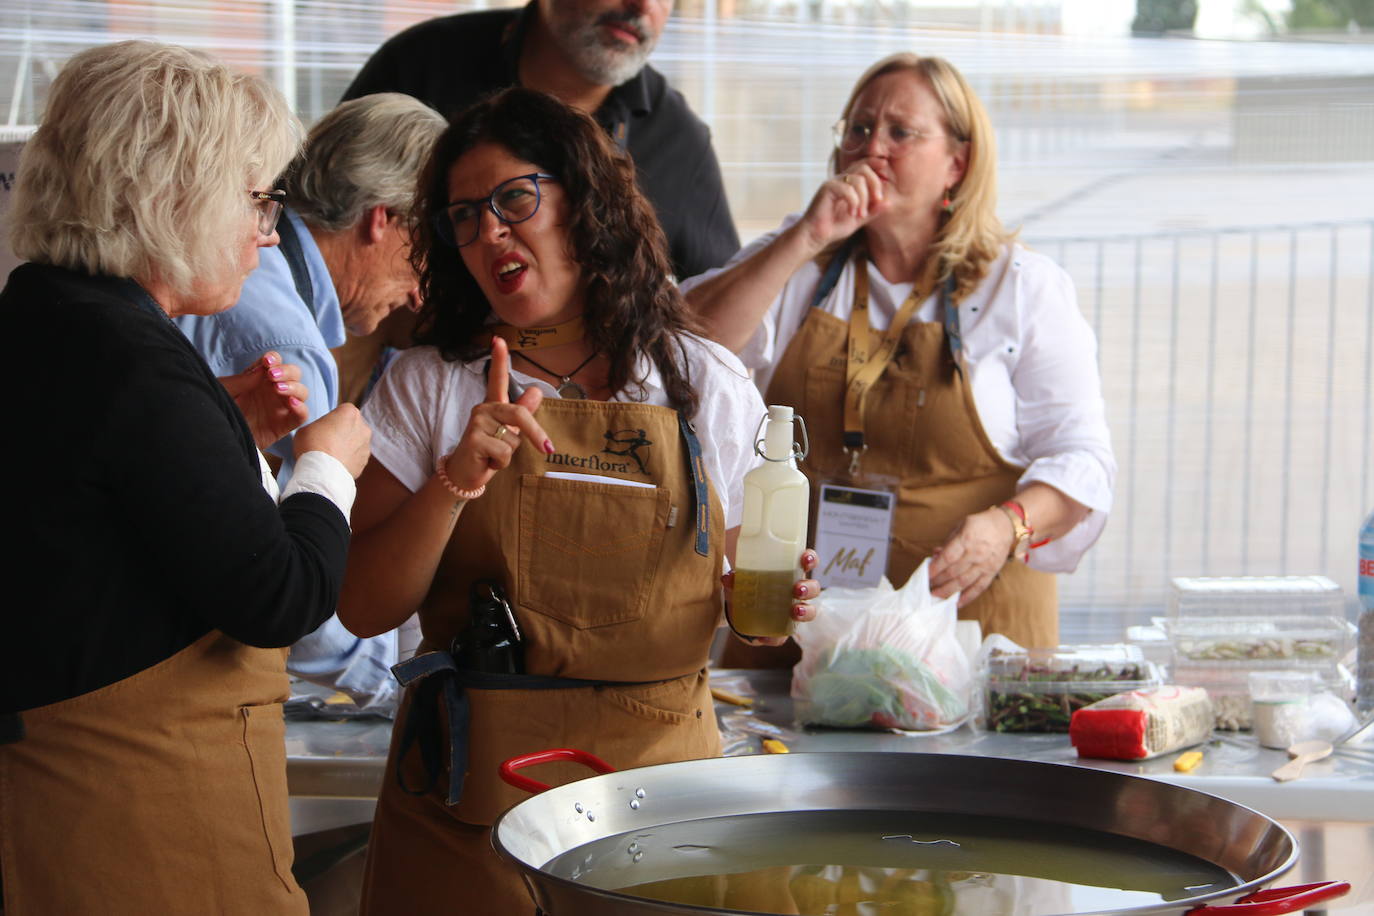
x,y
1029,356
422,405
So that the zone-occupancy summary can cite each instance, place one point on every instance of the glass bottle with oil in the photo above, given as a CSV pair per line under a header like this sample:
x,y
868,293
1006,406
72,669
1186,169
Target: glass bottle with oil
x,y
773,533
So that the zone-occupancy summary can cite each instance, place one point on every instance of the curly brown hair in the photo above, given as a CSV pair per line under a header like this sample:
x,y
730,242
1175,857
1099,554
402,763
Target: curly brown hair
x,y
632,305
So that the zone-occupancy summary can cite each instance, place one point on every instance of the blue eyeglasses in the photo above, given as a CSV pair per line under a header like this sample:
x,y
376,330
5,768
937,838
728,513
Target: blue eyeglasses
x,y
512,201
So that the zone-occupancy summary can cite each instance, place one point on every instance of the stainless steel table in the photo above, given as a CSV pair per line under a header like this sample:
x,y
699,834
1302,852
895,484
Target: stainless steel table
x,y
335,770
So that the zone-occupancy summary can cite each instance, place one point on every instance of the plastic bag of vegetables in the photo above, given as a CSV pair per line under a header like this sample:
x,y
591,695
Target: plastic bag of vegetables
x,y
883,658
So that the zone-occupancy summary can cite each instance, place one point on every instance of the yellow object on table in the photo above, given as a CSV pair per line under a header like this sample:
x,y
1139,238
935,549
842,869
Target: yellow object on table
x,y
1187,761
733,699
774,746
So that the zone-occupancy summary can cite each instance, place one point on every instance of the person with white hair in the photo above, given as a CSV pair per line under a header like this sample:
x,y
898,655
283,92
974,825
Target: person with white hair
x,y
343,261
344,256
142,761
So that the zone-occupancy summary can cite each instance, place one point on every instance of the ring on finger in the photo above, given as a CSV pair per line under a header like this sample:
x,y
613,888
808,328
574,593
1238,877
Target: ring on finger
x,y
501,431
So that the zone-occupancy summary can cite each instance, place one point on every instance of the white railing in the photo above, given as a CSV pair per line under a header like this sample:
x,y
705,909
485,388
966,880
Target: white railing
x,y
1236,365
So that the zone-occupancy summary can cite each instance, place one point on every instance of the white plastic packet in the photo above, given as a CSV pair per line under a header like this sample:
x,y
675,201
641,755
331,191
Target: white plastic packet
x,y
883,658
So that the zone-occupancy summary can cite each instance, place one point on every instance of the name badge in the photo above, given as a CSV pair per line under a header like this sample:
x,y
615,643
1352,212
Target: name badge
x,y
852,529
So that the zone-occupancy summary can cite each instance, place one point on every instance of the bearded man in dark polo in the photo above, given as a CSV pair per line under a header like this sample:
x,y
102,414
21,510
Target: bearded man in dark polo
x,y
591,54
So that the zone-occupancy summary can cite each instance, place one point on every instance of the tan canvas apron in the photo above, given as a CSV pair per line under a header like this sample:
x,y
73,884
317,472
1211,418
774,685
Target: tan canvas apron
x,y
922,429
608,585
161,793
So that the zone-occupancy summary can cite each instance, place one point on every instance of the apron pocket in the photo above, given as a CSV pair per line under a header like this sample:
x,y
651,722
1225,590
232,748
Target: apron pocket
x,y
264,738
589,551
658,723
671,702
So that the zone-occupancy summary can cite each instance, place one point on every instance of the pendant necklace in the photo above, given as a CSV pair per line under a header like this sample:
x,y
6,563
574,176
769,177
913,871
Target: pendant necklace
x,y
567,388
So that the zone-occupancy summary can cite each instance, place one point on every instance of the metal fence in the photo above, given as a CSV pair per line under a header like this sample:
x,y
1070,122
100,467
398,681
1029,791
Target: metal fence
x,y
1236,365
1236,362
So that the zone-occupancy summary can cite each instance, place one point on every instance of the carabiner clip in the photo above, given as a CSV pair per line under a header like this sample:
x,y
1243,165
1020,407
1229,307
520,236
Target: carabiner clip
x,y
854,455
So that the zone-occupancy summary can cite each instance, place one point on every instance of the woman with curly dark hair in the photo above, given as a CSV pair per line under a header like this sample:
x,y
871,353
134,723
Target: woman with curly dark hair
x,y
561,380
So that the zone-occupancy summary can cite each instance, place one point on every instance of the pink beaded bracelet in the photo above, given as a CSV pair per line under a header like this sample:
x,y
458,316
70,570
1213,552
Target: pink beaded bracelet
x,y
441,472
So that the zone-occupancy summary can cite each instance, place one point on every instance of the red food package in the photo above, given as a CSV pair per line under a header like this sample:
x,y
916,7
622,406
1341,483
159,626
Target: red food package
x,y
1142,723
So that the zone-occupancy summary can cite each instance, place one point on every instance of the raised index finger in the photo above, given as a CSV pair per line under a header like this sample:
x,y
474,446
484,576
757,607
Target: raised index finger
x,y
498,373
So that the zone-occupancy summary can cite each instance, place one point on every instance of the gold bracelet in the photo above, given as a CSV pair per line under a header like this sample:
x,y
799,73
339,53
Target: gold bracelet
x,y
1021,530
441,472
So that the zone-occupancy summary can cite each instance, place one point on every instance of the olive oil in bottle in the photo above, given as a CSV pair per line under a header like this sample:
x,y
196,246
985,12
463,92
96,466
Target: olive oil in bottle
x,y
772,535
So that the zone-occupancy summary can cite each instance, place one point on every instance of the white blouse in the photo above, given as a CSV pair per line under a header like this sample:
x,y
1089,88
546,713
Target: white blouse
x,y
422,404
1029,356
315,472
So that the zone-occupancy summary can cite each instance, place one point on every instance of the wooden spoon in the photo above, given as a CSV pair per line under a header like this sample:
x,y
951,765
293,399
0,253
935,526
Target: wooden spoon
x,y
1303,753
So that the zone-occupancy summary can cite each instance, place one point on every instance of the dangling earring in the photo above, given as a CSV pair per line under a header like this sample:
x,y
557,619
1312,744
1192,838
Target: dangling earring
x,y
947,205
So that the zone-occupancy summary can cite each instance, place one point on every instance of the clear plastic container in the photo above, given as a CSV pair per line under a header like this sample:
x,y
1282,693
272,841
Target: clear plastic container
x,y
1280,700
1255,596
1293,639
1037,690
1229,687
1153,642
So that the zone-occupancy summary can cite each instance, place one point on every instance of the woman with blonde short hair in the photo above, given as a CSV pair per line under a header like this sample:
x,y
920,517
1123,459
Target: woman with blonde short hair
x,y
142,764
936,362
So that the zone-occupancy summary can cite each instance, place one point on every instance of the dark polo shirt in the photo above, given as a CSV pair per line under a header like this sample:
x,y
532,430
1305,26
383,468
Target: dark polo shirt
x,y
451,62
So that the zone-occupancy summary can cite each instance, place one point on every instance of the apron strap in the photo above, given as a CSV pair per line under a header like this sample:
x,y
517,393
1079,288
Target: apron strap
x,y
864,365
831,276
422,721
950,311
863,368
434,673
701,493
290,247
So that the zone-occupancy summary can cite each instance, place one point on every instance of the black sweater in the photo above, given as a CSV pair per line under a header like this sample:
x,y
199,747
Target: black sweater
x,y
137,518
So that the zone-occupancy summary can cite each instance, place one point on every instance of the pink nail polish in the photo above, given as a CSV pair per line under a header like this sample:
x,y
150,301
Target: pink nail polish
x,y
799,612
294,402
275,373
548,447
283,387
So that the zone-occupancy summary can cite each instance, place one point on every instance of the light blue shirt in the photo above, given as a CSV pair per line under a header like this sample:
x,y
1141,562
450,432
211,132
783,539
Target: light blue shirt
x,y
271,315
361,668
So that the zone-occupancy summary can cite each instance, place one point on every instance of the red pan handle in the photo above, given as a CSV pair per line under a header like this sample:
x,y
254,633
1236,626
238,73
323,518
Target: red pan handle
x,y
534,787
1277,900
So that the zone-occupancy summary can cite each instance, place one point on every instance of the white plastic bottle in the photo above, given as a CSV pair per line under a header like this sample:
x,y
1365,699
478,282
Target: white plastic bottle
x,y
772,536
1364,700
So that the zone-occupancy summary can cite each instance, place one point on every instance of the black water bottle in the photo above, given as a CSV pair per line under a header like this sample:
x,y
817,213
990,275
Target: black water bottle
x,y
491,642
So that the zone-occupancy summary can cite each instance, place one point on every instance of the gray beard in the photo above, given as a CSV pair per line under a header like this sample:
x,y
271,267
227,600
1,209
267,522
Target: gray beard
x,y
598,63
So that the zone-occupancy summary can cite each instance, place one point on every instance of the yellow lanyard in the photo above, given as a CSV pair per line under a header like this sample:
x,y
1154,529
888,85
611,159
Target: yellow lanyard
x,y
539,338
865,368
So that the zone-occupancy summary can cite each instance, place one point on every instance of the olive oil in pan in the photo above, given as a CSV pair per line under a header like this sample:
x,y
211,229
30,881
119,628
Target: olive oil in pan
x,y
890,863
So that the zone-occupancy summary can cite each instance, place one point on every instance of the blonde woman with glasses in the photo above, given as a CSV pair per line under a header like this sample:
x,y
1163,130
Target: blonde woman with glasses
x,y
153,578
938,364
